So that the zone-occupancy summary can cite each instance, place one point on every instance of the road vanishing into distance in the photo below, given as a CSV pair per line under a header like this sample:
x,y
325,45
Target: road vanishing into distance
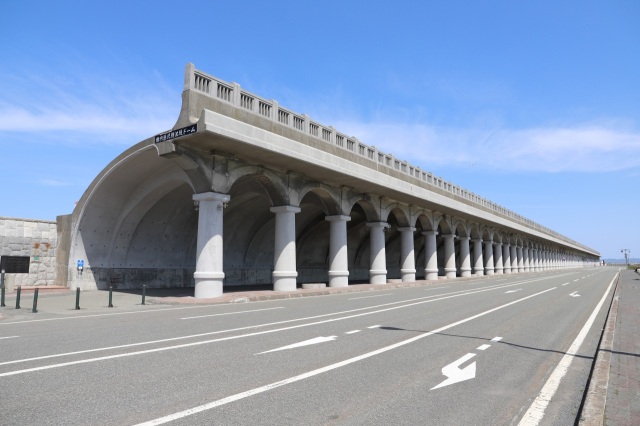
x,y
501,350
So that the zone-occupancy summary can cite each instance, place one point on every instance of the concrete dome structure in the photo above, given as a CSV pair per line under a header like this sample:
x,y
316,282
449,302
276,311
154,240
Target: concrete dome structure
x,y
242,191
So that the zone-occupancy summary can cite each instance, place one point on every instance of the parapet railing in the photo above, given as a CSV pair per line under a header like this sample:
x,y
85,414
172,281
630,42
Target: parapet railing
x,y
233,94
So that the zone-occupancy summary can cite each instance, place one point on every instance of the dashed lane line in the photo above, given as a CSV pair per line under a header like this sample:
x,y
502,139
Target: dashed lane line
x,y
261,389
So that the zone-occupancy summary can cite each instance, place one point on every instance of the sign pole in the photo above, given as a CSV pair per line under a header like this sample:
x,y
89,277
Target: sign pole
x,y
2,289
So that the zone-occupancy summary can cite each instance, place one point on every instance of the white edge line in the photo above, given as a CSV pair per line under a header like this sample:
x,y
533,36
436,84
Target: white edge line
x,y
366,297
535,413
242,395
204,342
233,313
8,337
446,296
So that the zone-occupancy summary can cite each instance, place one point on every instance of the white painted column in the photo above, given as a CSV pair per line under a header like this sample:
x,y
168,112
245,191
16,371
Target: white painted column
x,y
430,255
284,265
465,264
478,262
514,259
497,258
407,254
378,259
506,258
209,274
489,267
449,256
520,260
525,258
338,254
534,259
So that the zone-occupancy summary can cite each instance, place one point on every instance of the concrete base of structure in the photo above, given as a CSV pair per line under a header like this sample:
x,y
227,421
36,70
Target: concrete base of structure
x,y
431,274
465,272
408,275
314,285
450,273
284,280
499,271
208,284
489,272
378,277
479,273
338,278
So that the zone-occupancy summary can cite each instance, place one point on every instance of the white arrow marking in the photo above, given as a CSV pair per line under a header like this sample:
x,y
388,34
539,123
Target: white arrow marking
x,y
512,291
574,294
455,374
305,343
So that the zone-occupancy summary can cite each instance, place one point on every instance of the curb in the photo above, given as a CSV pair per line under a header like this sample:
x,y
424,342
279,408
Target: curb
x,y
593,413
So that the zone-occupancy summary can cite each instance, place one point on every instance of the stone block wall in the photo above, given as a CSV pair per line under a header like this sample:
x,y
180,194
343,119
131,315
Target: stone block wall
x,y
36,239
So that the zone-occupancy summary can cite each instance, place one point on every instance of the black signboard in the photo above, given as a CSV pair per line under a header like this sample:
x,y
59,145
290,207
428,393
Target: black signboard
x,y
14,264
176,133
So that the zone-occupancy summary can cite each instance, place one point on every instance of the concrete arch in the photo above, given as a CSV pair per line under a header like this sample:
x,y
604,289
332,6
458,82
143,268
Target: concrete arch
x,y
401,213
133,219
273,185
367,204
327,196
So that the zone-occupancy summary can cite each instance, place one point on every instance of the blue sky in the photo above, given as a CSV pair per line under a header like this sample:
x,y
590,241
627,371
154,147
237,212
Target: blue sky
x,y
533,105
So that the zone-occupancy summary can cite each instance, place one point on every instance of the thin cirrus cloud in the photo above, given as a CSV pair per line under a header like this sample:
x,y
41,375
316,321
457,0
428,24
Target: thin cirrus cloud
x,y
604,147
79,111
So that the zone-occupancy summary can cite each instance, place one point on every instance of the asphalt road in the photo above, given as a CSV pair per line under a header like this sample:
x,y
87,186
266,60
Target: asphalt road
x,y
490,351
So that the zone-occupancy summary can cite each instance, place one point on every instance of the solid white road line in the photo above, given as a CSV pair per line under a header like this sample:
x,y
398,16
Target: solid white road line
x,y
150,310
535,413
233,313
170,339
367,297
242,395
204,342
9,337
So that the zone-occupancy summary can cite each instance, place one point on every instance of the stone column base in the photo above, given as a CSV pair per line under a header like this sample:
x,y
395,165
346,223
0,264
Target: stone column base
x,y
208,284
338,278
408,275
377,277
284,280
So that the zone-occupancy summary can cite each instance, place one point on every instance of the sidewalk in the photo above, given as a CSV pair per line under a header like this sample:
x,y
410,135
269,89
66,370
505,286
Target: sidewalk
x,y
614,393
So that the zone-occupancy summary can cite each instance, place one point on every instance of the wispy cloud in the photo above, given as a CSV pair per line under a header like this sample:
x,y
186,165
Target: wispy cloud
x,y
75,108
598,147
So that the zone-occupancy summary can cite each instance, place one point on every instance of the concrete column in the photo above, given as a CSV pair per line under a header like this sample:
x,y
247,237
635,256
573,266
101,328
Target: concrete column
x,y
430,255
520,260
497,257
407,254
478,262
489,267
449,256
514,259
506,258
338,255
378,259
525,258
209,275
465,264
284,265
534,259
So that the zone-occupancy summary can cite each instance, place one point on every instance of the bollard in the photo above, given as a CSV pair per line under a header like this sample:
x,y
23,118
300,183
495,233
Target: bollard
x,y
77,297
18,297
2,288
110,297
35,301
144,292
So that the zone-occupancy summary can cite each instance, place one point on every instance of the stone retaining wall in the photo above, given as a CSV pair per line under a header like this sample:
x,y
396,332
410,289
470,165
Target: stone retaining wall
x,y
36,239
